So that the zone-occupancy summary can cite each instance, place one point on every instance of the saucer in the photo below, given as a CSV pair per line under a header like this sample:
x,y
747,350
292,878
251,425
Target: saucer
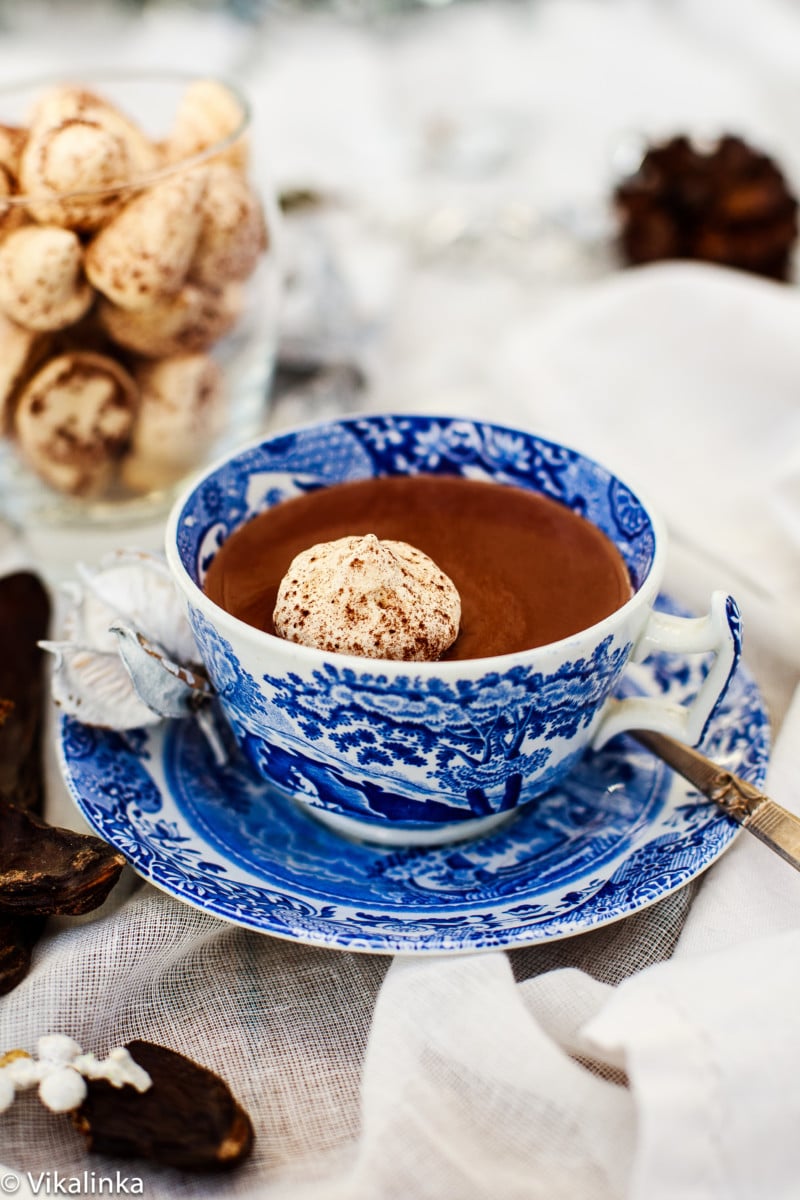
x,y
619,834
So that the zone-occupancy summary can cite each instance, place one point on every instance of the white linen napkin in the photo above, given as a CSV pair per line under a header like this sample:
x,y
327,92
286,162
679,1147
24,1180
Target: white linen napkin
x,y
711,1039
685,379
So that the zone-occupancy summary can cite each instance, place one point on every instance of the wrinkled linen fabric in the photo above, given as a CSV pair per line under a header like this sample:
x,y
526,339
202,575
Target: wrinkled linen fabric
x,y
652,1059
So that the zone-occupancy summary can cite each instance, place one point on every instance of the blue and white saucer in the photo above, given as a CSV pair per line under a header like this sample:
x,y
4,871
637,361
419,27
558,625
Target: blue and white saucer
x,y
622,832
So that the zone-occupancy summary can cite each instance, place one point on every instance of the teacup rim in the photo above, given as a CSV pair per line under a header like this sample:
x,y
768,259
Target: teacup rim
x,y
645,594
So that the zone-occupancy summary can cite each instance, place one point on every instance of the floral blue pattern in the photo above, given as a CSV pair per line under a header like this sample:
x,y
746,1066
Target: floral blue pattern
x,y
419,749
619,833
411,750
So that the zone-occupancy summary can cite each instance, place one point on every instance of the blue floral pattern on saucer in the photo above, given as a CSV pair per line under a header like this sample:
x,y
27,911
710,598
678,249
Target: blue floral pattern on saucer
x,y
620,832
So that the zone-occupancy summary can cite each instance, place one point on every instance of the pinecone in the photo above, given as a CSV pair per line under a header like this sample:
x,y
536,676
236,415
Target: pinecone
x,y
729,204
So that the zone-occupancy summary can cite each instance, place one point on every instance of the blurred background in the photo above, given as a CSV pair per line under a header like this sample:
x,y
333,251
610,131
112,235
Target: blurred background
x,y
445,169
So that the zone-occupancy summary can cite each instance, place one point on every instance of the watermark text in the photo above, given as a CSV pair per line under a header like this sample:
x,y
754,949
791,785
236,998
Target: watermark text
x,y
85,1183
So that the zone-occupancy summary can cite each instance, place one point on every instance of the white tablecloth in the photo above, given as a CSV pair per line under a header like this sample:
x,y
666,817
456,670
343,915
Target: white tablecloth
x,y
462,261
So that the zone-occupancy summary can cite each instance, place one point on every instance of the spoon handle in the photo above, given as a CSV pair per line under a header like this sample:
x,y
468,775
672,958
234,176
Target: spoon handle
x,y
775,826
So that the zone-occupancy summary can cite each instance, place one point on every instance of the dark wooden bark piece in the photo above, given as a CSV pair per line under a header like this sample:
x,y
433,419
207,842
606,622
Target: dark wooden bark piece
x,y
24,620
47,871
18,936
188,1118
43,870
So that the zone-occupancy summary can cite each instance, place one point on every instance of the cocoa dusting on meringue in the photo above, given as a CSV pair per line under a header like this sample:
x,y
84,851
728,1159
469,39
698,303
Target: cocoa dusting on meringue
x,y
105,257
364,596
41,278
73,420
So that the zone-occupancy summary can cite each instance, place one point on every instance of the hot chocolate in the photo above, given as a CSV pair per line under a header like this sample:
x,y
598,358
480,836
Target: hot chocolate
x,y
529,570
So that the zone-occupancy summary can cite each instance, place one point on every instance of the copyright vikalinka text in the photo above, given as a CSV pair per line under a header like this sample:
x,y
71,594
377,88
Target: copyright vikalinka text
x,y
87,1183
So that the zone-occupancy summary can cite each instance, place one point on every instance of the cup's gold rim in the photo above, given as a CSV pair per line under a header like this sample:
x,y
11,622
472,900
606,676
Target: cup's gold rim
x,y
99,78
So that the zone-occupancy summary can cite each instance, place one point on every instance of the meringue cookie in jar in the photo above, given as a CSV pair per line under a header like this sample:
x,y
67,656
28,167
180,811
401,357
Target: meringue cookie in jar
x,y
139,289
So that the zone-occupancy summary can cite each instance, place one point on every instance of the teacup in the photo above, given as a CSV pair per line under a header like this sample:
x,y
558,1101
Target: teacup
x,y
472,740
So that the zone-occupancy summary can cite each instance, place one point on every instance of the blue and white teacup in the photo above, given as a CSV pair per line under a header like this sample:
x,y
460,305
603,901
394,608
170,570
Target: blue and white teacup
x,y
471,740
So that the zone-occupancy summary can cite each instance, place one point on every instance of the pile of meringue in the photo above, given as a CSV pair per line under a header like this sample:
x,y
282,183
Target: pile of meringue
x,y
111,297
60,1071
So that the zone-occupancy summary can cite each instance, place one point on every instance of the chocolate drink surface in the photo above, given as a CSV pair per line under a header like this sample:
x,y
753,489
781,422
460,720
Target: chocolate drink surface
x,y
529,570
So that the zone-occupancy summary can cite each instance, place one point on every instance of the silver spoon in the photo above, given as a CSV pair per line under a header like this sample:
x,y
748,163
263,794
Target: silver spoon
x,y
775,826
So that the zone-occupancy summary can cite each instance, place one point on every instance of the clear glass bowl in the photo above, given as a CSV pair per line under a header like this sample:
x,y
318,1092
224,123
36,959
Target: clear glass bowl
x,y
139,291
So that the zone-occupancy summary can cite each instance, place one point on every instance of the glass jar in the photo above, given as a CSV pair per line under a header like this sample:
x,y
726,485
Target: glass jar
x,y
139,289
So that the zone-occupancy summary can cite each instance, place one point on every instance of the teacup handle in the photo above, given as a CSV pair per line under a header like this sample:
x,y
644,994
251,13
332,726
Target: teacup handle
x,y
719,631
